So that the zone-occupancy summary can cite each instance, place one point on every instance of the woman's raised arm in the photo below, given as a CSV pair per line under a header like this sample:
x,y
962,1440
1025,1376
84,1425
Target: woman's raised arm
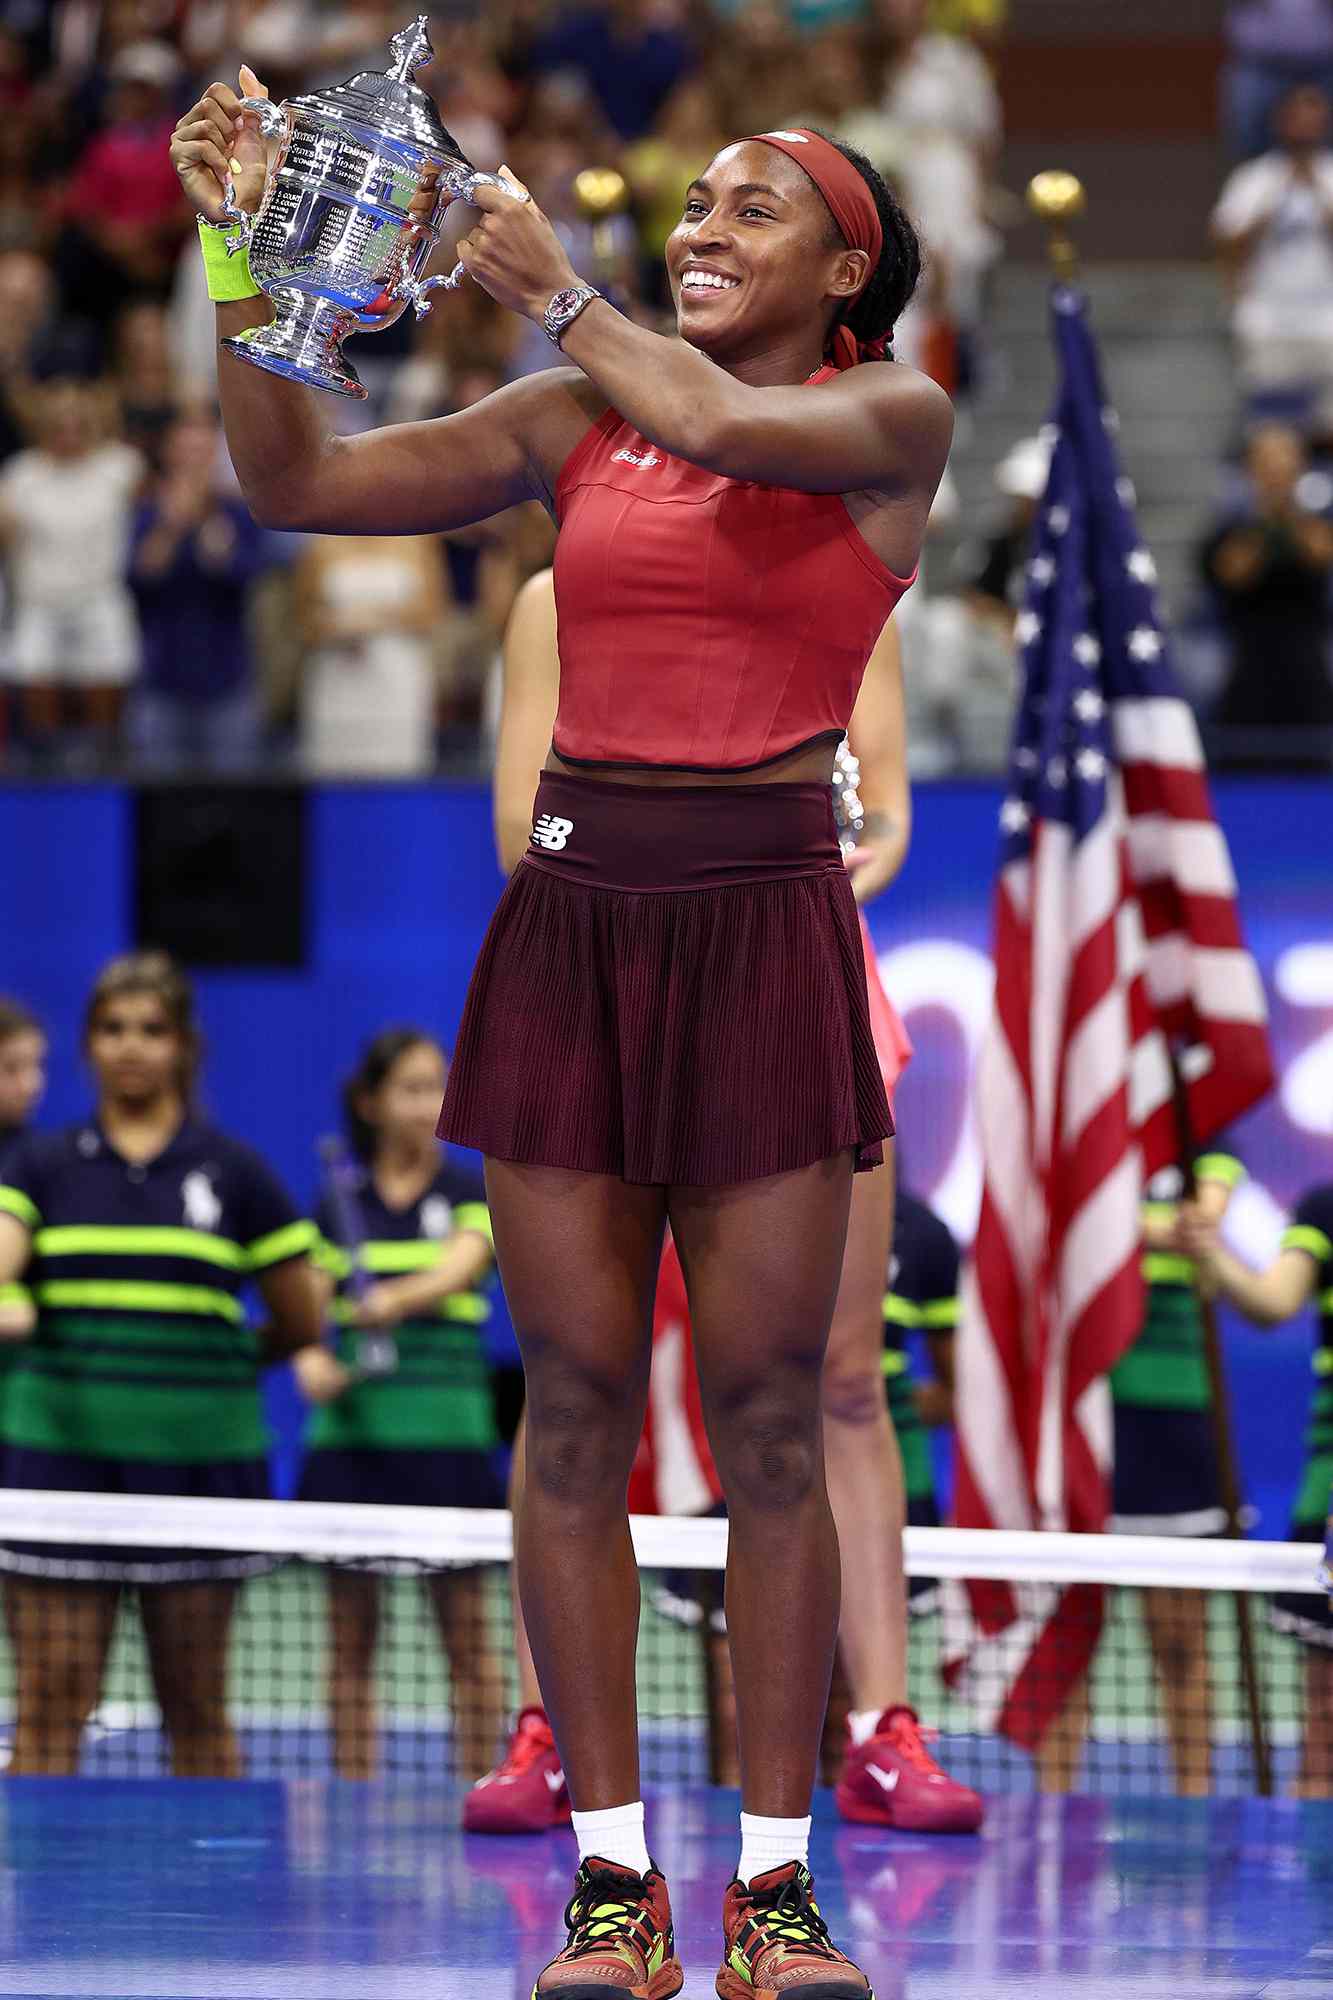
x,y
405,479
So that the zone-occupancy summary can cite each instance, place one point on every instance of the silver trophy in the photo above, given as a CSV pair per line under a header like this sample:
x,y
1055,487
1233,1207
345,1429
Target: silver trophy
x,y
357,186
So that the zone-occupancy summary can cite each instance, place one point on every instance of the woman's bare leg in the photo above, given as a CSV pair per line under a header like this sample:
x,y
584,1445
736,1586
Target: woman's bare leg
x,y
1060,1754
861,1456
579,1255
187,1627
1177,1622
461,1603
1316,1779
354,1627
61,1635
761,1264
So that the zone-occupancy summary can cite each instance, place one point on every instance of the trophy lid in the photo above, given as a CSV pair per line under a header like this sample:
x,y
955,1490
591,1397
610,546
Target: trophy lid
x,y
389,102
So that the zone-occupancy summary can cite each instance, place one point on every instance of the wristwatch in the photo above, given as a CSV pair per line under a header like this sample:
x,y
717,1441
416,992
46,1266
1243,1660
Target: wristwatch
x,y
565,308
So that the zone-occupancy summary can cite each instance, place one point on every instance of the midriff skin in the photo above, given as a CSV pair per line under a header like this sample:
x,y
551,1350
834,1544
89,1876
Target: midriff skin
x,y
811,766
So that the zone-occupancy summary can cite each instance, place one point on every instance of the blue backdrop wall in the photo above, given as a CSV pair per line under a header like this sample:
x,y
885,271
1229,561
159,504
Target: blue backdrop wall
x,y
401,882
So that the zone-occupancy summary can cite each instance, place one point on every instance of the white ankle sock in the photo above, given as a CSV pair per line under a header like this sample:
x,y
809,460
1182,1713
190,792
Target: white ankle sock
x,y
615,1834
769,1843
862,1722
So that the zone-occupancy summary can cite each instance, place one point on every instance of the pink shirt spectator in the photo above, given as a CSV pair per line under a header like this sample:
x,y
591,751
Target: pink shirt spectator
x,y
125,176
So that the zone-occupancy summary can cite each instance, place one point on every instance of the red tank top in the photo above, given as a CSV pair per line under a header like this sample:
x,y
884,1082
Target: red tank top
x,y
705,623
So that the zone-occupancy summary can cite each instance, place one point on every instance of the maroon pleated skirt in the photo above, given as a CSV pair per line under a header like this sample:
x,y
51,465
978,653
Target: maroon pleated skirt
x,y
672,990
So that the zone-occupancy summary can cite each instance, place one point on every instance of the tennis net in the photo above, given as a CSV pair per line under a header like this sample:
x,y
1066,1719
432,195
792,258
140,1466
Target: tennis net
x,y
282,1639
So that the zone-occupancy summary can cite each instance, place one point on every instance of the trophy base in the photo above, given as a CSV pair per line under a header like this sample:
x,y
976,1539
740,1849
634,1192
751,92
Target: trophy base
x,y
303,341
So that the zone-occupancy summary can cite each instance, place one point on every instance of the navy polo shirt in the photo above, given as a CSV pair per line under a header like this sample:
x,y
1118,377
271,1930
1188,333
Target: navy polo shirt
x,y
142,1350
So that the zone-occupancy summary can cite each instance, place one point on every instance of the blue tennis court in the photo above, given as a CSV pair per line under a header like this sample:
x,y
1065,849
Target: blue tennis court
x,y
161,1890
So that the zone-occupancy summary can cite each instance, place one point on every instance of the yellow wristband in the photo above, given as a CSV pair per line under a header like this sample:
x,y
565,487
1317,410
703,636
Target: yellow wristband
x,y
228,277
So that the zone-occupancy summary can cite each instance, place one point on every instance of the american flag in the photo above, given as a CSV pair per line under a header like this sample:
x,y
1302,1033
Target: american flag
x,y
1116,941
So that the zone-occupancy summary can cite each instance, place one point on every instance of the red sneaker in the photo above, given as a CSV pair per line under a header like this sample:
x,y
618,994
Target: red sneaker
x,y
621,1942
526,1793
777,1944
892,1780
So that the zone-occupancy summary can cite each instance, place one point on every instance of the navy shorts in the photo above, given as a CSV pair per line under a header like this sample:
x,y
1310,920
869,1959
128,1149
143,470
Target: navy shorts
x,y
1309,1619
75,1472
1166,1476
402,1479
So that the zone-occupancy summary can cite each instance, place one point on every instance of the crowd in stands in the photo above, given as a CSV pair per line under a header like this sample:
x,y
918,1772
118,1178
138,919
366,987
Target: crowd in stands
x,y
146,623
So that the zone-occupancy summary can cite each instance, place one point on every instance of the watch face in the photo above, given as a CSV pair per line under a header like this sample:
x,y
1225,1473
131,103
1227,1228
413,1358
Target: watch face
x,y
562,302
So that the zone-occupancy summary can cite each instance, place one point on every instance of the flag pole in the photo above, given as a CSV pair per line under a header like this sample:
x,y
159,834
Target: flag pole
x,y
1224,1443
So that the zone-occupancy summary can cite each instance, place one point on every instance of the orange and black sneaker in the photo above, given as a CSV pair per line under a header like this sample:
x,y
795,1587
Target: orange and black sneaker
x,y
777,1944
621,1942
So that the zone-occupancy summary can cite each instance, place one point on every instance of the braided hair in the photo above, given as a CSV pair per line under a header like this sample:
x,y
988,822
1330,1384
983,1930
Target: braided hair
x,y
877,307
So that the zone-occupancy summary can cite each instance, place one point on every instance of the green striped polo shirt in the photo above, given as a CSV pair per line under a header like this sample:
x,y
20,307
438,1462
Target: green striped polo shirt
x,y
143,1349
439,1397
1165,1369
1311,1230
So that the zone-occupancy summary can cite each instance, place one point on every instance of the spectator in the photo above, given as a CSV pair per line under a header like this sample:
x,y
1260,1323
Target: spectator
x,y
65,513
1274,228
1271,45
757,67
661,165
143,376
632,52
962,675
27,309
124,217
195,550
940,96
368,607
23,1052
1270,569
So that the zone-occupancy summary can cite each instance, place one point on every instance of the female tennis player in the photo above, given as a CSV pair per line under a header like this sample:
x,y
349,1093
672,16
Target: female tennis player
x,y
422,1434
135,1231
864,1466
1301,1271
669,1017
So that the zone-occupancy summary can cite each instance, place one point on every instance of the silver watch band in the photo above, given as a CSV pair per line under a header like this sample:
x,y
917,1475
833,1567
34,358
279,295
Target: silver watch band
x,y
565,308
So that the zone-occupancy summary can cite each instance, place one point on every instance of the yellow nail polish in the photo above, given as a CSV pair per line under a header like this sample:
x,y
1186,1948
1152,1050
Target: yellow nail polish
x,y
236,166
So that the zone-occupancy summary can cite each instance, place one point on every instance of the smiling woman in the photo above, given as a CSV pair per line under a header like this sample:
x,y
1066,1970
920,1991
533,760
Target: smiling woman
x,y
669,1018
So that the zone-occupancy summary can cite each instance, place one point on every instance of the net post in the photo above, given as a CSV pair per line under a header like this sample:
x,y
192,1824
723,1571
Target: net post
x,y
1225,1446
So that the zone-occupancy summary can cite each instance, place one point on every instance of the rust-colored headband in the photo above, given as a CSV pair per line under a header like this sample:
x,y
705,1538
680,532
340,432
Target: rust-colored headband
x,y
852,207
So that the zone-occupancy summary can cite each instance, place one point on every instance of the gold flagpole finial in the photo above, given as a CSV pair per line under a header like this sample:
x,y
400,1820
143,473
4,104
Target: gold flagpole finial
x,y
1056,198
601,193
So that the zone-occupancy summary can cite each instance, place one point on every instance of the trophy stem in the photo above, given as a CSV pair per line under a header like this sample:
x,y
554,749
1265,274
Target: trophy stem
x,y
303,341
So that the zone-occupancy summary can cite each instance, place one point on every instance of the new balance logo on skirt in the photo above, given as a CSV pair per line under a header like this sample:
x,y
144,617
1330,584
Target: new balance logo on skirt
x,y
551,832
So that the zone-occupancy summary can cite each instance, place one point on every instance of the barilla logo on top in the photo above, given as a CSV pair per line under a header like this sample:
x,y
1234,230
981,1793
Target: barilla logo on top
x,y
551,832
641,458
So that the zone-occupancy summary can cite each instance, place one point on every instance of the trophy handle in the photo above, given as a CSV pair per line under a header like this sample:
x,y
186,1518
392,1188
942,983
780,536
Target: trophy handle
x,y
415,290
273,124
462,182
